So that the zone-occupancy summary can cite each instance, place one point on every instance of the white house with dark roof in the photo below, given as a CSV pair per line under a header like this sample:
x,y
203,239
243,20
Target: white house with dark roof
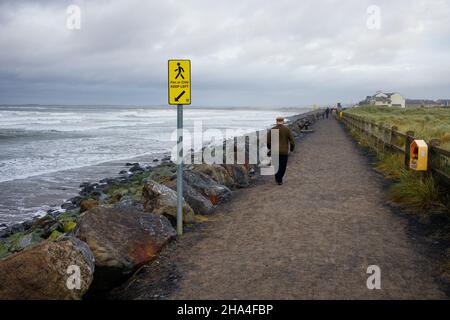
x,y
380,98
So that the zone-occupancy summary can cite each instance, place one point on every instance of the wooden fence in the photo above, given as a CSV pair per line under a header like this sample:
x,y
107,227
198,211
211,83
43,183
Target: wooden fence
x,y
384,138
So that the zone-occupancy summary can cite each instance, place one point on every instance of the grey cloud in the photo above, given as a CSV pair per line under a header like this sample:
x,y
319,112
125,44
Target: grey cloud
x,y
282,52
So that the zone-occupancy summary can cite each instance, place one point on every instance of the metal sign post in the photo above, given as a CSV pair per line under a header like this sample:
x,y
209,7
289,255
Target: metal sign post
x,y
179,94
180,169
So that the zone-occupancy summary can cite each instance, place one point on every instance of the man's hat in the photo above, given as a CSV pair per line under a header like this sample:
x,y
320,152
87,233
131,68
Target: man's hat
x,y
280,119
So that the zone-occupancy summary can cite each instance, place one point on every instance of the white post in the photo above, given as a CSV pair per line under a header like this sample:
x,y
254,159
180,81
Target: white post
x,y
180,170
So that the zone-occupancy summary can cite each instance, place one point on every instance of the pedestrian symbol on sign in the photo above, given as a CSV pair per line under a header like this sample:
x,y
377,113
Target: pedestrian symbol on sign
x,y
180,70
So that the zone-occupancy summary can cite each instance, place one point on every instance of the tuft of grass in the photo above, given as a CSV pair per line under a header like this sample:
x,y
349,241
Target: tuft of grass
x,y
392,165
418,191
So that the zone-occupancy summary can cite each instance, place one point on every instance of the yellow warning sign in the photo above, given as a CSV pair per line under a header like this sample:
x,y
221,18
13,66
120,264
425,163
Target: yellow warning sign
x,y
179,82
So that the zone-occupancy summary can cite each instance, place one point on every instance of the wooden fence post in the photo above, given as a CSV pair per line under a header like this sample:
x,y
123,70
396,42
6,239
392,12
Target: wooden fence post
x,y
408,140
380,138
385,138
392,135
434,159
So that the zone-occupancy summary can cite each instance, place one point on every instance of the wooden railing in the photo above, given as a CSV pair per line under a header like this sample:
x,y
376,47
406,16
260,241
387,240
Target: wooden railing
x,y
382,138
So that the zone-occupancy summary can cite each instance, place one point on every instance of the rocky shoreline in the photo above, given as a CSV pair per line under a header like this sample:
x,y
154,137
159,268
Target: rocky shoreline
x,y
100,237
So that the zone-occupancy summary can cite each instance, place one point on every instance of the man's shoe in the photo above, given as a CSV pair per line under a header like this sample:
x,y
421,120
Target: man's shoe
x,y
280,183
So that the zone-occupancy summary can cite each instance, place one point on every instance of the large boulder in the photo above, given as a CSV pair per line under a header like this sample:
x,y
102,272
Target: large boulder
x,y
239,173
129,202
87,204
217,172
207,186
160,199
199,203
163,172
48,270
122,240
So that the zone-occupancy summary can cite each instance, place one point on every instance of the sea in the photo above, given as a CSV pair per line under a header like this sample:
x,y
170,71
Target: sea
x,y
46,152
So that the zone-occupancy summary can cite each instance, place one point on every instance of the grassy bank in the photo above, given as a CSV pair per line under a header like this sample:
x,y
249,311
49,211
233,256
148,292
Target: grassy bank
x,y
419,192
427,123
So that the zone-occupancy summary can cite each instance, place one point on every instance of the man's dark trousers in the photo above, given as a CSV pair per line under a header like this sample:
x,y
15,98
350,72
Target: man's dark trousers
x,y
283,159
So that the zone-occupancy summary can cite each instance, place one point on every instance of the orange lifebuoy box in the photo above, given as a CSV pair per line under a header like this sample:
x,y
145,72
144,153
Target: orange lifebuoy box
x,y
418,157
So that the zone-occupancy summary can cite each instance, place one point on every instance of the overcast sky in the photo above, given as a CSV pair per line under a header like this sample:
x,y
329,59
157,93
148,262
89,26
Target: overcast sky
x,y
244,52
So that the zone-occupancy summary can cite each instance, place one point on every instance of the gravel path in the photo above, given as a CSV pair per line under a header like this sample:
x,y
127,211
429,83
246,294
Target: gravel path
x,y
312,238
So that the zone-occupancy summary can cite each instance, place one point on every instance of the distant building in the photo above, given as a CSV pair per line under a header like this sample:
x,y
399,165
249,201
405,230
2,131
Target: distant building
x,y
444,102
382,99
421,103
426,103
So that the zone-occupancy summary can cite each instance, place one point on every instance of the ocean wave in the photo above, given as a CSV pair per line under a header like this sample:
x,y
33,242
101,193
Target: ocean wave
x,y
43,170
10,134
44,141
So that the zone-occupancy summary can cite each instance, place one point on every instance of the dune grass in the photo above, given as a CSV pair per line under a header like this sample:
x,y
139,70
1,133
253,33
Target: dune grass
x,y
418,191
391,164
427,123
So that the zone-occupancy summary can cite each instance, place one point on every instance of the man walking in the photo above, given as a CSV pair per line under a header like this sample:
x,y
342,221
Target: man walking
x,y
286,142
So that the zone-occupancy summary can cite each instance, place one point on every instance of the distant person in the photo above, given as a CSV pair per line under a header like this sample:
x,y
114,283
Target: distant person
x,y
286,143
327,111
